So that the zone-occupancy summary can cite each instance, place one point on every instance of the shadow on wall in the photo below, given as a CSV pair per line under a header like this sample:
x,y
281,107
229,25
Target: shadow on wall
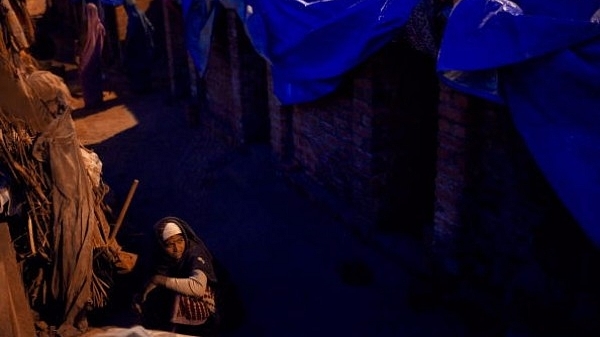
x,y
405,139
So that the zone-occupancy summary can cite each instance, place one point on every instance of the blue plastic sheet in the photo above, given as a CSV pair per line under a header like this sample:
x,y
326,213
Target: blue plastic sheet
x,y
546,55
107,2
310,44
198,18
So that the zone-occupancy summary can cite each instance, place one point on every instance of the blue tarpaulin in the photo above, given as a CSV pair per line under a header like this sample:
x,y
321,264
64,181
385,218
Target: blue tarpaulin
x,y
105,2
545,57
310,44
198,18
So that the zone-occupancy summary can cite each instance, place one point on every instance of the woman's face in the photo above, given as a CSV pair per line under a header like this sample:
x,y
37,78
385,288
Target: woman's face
x,y
174,246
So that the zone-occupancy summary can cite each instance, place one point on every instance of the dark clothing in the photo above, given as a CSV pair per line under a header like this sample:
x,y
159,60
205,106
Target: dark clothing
x,y
91,59
158,309
139,48
159,306
195,249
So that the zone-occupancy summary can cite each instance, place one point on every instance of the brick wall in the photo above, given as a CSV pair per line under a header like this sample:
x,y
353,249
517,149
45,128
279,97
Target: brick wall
x,y
372,141
236,84
179,57
500,229
280,120
404,100
330,141
489,194
223,81
253,87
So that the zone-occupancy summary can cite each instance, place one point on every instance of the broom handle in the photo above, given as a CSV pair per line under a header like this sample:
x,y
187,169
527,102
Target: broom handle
x,y
119,222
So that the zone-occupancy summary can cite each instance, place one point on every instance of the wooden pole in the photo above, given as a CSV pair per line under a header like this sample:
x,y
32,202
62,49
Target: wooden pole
x,y
119,222
31,236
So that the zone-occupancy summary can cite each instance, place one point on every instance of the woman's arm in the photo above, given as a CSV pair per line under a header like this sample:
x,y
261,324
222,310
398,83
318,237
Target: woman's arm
x,y
195,285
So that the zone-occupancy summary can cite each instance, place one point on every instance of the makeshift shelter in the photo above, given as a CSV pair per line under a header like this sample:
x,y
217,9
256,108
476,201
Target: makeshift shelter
x,y
56,208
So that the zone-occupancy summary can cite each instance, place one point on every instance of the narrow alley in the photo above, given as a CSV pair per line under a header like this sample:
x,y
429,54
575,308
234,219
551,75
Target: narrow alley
x,y
297,269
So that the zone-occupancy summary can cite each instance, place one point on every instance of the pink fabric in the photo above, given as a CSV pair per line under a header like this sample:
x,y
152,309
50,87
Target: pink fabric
x,y
91,58
94,41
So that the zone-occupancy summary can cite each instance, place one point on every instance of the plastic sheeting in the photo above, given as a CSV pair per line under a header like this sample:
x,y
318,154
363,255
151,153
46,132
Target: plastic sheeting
x,y
198,18
546,56
309,44
107,2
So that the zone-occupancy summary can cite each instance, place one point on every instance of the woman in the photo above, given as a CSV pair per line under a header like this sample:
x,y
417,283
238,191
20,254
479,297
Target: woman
x,y
138,48
91,58
180,296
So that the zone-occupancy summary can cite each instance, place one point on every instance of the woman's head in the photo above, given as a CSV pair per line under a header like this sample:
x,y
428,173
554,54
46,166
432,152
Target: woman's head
x,y
180,248
174,236
173,239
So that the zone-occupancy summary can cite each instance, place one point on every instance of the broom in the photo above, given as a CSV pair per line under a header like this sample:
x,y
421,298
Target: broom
x,y
125,261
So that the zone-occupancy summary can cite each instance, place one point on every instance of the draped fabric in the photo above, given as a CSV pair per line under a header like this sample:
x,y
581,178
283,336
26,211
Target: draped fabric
x,y
66,211
309,44
91,58
19,27
139,48
78,224
198,18
76,228
542,59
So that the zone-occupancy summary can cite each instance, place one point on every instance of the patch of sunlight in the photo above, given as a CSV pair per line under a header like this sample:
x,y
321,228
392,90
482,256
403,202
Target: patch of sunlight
x,y
105,124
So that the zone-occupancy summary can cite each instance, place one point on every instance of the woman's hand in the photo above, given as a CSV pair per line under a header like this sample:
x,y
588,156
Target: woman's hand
x,y
159,280
147,290
138,301
155,281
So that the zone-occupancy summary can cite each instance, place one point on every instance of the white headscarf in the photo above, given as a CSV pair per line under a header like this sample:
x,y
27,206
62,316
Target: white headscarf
x,y
170,229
